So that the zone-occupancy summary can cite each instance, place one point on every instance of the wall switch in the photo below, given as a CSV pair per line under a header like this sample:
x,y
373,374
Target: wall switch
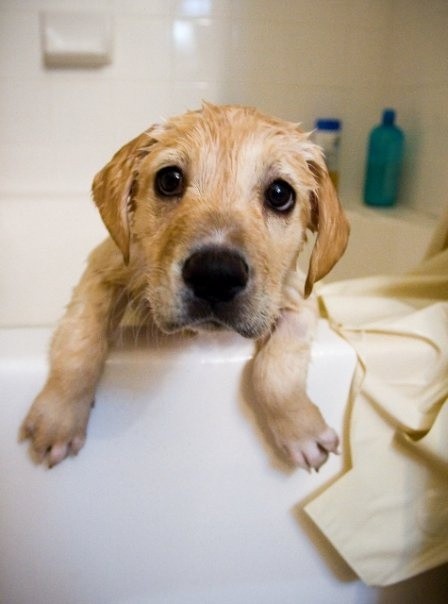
x,y
75,38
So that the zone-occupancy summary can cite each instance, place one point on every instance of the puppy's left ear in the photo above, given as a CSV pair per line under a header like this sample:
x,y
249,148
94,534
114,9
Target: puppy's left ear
x,y
115,186
330,223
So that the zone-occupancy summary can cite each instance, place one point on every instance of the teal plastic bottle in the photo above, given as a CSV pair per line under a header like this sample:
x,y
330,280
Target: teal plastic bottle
x,y
384,159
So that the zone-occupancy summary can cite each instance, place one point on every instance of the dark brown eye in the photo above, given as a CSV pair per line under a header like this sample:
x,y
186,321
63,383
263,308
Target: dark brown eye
x,y
280,196
169,182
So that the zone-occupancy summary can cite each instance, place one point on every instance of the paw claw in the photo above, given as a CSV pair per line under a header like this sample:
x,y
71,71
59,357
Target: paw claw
x,y
77,444
329,440
57,453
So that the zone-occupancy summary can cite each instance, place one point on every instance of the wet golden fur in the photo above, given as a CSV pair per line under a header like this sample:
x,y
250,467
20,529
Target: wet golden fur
x,y
229,156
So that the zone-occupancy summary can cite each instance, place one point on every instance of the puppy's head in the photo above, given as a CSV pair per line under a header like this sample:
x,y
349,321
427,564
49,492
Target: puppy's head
x,y
215,205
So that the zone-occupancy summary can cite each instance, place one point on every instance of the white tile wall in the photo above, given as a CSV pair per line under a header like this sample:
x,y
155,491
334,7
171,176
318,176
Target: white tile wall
x,y
299,59
417,84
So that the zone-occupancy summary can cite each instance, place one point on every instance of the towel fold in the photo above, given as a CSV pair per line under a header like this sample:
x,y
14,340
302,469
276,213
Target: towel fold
x,y
388,515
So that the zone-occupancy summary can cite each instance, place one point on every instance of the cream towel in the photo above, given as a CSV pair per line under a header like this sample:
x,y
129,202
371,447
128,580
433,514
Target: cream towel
x,y
388,515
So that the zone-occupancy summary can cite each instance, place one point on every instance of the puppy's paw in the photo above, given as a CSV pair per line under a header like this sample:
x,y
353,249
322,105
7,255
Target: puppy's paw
x,y
312,452
304,437
56,428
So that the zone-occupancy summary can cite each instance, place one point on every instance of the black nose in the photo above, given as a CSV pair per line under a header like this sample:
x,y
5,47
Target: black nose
x,y
215,274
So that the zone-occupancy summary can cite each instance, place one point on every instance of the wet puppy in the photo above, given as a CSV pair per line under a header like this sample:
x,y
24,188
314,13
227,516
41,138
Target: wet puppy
x,y
207,214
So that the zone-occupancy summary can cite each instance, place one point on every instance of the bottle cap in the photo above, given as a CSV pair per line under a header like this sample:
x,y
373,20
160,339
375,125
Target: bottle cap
x,y
388,117
328,124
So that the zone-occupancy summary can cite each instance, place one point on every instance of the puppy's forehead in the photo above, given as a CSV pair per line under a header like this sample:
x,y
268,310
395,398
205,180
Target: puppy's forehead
x,y
231,135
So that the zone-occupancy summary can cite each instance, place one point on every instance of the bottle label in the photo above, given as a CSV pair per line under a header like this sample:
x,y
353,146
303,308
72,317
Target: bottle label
x,y
329,141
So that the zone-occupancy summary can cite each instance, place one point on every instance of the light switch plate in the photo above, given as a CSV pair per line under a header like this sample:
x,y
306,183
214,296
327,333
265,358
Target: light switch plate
x,y
76,38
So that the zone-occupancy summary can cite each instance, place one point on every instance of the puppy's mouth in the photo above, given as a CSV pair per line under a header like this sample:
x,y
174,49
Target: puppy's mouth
x,y
201,316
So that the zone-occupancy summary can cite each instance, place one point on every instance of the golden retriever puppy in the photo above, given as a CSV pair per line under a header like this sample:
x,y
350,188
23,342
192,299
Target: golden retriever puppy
x,y
207,214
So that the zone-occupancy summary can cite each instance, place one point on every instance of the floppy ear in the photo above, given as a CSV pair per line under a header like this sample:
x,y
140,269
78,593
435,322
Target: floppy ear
x,y
330,223
115,186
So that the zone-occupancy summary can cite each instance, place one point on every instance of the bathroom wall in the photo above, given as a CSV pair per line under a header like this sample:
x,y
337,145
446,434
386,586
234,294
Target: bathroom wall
x,y
417,84
299,59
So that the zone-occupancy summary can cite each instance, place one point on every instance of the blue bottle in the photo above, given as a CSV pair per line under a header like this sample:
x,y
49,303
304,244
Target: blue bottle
x,y
385,153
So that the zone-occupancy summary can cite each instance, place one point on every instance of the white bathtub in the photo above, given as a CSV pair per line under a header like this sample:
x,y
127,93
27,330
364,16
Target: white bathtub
x,y
383,241
176,498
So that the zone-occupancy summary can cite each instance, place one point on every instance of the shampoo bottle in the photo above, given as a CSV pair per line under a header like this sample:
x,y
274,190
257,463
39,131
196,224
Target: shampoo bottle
x,y
328,135
384,158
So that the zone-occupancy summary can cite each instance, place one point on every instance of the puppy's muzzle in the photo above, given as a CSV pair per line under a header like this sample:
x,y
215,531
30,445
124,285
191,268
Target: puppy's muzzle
x,y
215,275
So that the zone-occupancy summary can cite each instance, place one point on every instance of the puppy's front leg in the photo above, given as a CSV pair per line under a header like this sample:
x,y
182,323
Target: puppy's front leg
x,y
279,378
57,421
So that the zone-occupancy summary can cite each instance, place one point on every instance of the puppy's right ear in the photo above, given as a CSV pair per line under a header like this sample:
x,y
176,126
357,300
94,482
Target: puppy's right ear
x,y
114,187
